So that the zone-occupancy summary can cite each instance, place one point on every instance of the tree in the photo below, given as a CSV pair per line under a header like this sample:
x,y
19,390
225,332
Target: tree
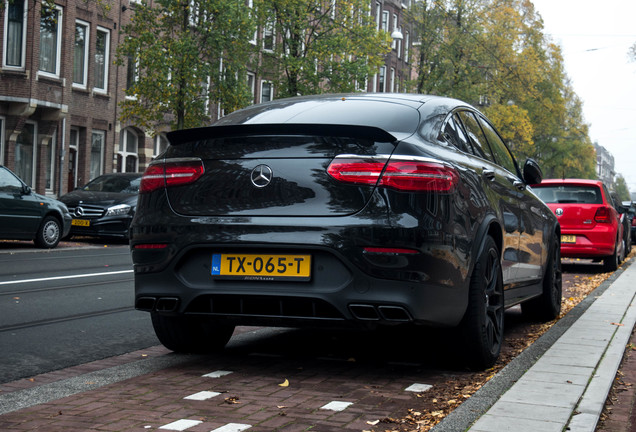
x,y
182,54
620,187
313,47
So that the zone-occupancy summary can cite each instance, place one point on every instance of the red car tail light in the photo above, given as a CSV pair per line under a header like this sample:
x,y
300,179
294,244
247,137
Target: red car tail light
x,y
405,175
603,215
171,173
634,221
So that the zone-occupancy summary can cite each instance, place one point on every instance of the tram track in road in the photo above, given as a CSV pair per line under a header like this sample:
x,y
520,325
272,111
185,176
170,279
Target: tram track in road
x,y
49,321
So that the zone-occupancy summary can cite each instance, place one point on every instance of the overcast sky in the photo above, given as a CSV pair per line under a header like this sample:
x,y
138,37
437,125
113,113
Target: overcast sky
x,y
595,37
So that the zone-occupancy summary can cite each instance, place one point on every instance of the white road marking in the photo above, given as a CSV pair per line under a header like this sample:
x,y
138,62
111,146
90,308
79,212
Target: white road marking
x,y
217,374
65,277
418,387
181,425
336,406
202,395
232,427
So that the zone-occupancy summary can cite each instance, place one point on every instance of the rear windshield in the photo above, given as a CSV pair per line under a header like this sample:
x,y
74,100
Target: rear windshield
x,y
570,194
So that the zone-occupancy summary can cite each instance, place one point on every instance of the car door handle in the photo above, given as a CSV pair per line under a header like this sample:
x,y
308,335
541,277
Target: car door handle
x,y
489,174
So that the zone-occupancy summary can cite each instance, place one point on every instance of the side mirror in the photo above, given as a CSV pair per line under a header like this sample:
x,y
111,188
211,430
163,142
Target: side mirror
x,y
532,173
26,190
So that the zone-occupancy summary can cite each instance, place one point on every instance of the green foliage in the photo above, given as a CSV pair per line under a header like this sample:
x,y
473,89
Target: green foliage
x,y
493,54
320,48
620,187
185,53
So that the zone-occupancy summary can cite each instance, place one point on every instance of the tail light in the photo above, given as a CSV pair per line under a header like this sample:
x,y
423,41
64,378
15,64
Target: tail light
x,y
603,215
171,173
413,174
634,221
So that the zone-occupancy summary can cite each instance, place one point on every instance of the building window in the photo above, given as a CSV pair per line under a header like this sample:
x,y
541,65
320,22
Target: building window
x,y
50,39
98,140
395,27
80,54
385,21
25,153
15,33
102,50
268,37
267,91
127,158
378,14
73,149
49,178
2,140
381,79
407,44
392,88
131,76
251,85
161,144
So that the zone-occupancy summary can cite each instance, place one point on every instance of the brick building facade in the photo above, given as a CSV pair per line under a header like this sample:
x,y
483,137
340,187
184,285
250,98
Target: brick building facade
x,y
59,90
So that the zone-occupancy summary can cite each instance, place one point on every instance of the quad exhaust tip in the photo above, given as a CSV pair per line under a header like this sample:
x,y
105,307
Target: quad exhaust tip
x,y
367,312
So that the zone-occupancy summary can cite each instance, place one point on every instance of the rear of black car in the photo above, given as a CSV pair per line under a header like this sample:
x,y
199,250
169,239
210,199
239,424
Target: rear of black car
x,y
294,224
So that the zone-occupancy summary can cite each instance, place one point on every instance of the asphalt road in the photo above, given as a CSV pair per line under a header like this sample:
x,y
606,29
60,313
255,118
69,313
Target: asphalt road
x,y
66,307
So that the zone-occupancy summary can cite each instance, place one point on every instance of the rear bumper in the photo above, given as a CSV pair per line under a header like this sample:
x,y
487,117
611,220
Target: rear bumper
x,y
589,243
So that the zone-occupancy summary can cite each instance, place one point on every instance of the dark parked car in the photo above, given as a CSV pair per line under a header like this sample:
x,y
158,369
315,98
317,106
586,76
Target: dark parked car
x,y
591,226
631,216
105,206
26,215
359,210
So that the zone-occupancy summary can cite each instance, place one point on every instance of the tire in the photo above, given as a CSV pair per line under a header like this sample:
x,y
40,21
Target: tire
x,y
612,262
482,328
547,306
48,233
188,334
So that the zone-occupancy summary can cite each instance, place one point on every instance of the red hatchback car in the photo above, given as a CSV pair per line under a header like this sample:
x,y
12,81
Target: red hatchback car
x,y
590,224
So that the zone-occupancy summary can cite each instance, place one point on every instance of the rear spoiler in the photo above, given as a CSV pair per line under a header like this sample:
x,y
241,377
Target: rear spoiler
x,y
331,130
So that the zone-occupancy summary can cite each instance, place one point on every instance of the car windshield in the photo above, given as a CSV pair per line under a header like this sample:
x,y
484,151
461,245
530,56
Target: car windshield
x,y
570,194
114,184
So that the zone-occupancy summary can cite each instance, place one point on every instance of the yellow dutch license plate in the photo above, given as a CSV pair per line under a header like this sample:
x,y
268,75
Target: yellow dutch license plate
x,y
568,239
261,267
80,222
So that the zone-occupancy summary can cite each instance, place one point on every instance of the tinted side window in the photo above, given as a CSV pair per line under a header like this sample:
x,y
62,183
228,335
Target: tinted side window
x,y
498,147
476,135
8,182
455,135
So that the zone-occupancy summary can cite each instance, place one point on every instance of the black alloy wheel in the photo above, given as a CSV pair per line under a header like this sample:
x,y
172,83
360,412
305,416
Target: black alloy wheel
x,y
482,328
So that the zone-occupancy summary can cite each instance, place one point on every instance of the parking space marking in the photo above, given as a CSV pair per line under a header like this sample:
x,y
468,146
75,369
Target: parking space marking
x,y
418,387
217,374
202,395
232,427
181,425
336,406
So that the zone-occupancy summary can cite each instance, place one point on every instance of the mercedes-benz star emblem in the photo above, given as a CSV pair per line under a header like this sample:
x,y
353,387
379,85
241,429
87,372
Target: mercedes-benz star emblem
x,y
79,212
559,211
261,176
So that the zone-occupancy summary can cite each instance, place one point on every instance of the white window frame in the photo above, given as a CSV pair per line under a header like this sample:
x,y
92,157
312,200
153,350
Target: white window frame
x,y
157,150
75,146
271,90
269,31
135,76
58,45
87,29
31,181
102,134
392,85
3,122
51,167
123,149
106,61
395,27
407,43
382,80
385,21
5,45
251,84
